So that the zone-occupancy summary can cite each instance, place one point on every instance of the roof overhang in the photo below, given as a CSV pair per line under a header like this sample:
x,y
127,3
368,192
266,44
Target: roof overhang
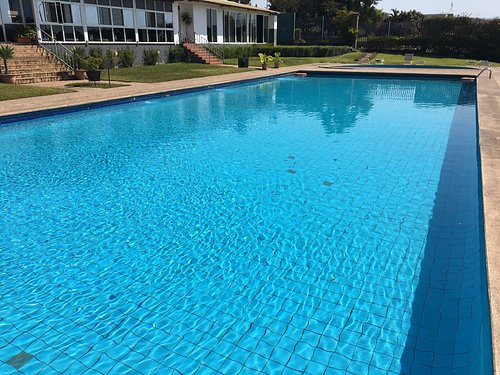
x,y
232,4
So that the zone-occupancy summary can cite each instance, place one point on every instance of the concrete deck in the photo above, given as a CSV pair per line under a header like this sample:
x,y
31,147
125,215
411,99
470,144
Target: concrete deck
x,y
489,140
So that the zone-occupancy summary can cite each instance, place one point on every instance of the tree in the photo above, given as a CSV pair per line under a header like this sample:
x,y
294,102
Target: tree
x,y
412,19
286,6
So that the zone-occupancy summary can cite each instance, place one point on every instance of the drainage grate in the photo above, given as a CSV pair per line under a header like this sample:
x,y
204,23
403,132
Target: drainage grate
x,y
19,360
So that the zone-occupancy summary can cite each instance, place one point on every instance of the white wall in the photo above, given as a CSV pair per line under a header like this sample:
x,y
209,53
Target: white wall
x,y
200,20
176,16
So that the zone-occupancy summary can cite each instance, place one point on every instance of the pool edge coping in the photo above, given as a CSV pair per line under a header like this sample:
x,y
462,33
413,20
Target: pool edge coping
x,y
487,95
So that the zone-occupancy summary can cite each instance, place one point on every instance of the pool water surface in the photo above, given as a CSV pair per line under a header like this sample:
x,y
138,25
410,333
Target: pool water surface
x,y
297,225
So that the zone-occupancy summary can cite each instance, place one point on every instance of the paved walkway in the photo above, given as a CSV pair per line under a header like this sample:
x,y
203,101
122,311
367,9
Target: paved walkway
x,y
488,102
489,139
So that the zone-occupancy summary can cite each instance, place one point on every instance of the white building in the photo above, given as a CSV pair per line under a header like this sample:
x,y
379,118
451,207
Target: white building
x,y
139,22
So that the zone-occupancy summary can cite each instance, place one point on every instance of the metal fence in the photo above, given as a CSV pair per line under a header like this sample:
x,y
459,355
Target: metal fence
x,y
315,30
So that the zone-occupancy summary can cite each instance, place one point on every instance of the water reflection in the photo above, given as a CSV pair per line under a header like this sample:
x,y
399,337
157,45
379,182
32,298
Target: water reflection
x,y
341,104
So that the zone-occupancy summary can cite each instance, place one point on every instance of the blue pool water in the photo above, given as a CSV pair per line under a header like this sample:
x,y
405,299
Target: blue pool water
x,y
299,225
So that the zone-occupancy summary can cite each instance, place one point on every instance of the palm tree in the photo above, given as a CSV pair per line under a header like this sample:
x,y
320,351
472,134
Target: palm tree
x,y
6,53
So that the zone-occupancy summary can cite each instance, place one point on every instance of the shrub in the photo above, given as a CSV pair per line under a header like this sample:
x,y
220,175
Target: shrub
x,y
126,57
92,63
446,36
78,56
97,53
176,54
110,56
392,43
151,56
285,51
27,32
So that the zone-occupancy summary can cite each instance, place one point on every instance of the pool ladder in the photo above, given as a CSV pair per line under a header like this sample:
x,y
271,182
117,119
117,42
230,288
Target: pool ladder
x,y
484,69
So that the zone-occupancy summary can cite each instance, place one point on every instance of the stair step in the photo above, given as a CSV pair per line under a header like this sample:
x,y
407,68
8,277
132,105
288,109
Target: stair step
x,y
24,81
32,64
201,53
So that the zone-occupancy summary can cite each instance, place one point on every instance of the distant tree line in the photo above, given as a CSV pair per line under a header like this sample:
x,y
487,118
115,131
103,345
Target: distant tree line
x,y
461,36
449,35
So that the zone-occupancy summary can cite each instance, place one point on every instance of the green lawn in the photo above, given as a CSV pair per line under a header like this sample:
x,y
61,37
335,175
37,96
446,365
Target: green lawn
x,y
8,92
429,60
170,72
352,57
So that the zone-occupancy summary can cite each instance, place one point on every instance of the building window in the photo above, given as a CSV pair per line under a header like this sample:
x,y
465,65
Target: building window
x,y
266,29
241,28
117,16
252,28
28,11
212,25
15,12
104,15
236,27
56,12
130,35
229,27
154,25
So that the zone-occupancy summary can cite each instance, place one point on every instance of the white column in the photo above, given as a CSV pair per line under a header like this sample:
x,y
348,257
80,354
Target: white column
x,y
83,16
36,15
275,28
220,26
136,30
3,5
175,21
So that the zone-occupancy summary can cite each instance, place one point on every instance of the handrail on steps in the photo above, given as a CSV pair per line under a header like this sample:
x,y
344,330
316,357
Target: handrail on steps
x,y
204,43
63,53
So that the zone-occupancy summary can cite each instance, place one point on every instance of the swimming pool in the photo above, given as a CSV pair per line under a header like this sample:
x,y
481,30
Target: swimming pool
x,y
297,225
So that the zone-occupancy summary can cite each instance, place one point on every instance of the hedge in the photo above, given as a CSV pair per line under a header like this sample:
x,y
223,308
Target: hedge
x,y
231,52
391,43
446,36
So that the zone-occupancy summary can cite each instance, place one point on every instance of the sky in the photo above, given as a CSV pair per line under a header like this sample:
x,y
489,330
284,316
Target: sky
x,y
472,8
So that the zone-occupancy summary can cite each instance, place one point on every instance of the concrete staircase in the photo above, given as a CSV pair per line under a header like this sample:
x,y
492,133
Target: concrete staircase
x,y
33,64
202,54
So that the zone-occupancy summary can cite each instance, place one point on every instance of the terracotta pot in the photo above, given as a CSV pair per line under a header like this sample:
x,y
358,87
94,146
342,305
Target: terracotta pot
x,y
80,74
23,40
8,78
264,66
277,65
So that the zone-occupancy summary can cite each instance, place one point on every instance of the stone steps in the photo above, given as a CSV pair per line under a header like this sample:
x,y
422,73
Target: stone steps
x,y
34,64
201,53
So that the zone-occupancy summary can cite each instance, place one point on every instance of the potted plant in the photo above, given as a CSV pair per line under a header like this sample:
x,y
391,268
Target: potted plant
x,y
186,18
26,35
79,57
7,53
264,59
91,65
277,59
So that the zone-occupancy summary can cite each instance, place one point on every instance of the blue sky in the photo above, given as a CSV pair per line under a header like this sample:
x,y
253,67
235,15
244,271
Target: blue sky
x,y
473,8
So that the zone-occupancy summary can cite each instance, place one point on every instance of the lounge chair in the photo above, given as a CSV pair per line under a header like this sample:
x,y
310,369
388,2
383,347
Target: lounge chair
x,y
408,60
364,60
